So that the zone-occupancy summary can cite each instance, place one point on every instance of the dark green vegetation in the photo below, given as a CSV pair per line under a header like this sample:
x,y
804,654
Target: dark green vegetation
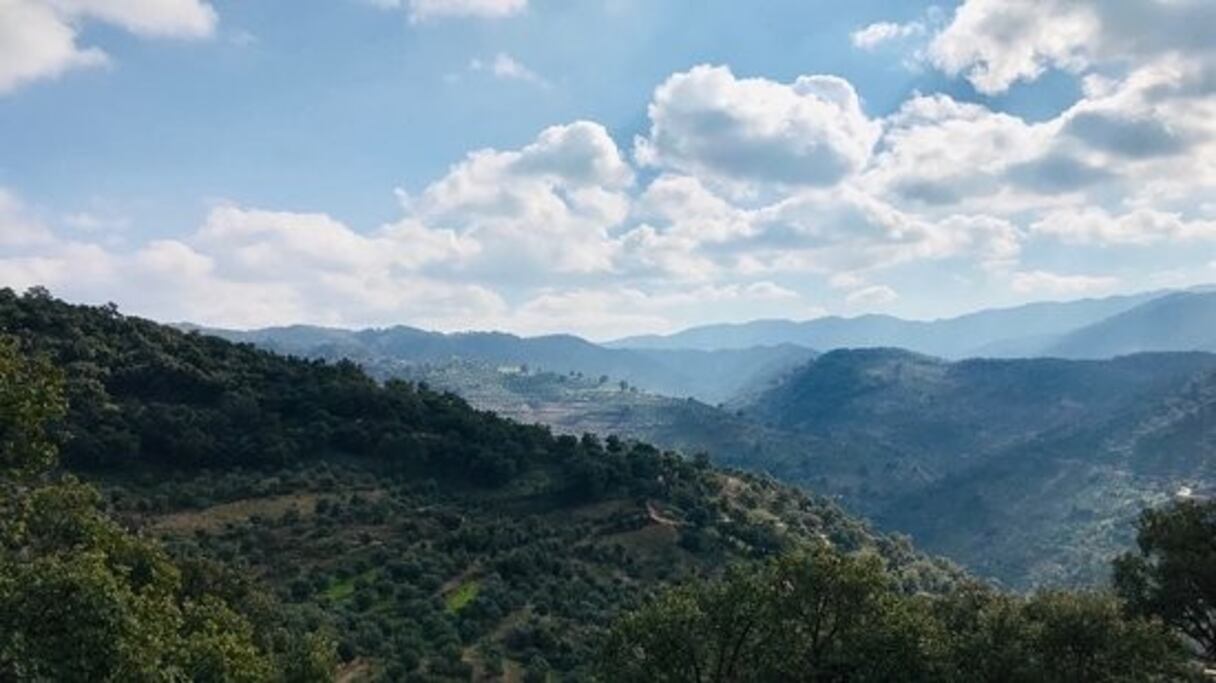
x,y
711,376
435,540
82,599
296,498
1032,471
1172,575
819,616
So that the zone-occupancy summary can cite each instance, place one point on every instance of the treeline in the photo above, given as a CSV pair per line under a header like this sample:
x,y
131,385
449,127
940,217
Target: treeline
x,y
147,395
819,615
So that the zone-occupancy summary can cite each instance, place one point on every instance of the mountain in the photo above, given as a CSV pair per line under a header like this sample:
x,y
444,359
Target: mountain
x,y
711,376
439,542
1008,332
1178,322
1028,470
574,404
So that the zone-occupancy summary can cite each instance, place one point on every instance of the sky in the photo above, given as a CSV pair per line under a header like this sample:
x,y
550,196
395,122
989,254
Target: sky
x,y
602,167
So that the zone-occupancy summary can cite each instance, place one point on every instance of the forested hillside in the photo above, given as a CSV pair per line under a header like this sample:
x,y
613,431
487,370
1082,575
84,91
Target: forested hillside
x,y
436,541
1031,471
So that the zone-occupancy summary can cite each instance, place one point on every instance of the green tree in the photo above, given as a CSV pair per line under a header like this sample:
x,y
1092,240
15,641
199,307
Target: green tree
x,y
1084,636
821,616
816,615
81,599
1173,574
31,398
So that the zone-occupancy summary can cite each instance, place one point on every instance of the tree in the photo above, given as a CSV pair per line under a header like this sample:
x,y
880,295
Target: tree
x,y
1083,636
815,615
821,616
31,398
80,597
1173,574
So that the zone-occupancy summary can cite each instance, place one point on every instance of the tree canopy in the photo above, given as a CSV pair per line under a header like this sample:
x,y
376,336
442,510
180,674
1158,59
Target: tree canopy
x,y
82,599
819,615
1172,575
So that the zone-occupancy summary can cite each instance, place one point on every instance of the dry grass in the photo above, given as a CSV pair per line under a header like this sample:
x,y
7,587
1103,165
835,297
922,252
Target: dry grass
x,y
217,516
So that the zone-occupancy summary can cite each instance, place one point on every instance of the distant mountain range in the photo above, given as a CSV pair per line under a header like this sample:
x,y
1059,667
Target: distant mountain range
x,y
721,363
711,376
1089,328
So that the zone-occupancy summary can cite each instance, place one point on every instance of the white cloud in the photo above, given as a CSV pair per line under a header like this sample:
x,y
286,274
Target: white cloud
x,y
872,296
545,208
1093,225
506,67
876,34
996,43
939,152
753,132
153,18
38,38
1044,282
428,10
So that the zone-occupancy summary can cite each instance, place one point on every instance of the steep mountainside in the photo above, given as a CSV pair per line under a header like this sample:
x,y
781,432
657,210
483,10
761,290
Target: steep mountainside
x,y
711,376
1010,332
439,542
1027,470
1178,322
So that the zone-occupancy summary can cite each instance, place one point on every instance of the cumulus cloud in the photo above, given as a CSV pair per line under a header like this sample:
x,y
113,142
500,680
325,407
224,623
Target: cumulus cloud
x,y
996,43
546,207
39,38
1094,225
876,34
939,152
748,132
757,196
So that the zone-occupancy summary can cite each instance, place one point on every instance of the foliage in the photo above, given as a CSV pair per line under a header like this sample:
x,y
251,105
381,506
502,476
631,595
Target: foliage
x,y
81,599
821,615
31,398
363,505
1173,574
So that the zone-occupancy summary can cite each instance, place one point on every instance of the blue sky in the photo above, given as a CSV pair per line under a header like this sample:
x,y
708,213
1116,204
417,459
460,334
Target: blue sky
x,y
604,167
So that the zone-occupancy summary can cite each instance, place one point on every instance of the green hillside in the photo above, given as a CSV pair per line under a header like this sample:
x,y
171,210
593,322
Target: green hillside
x,y
1030,471
437,540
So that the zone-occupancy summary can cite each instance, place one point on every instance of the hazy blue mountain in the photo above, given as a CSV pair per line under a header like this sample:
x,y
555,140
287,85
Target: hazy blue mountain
x,y
1178,322
711,376
1030,470
1007,332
